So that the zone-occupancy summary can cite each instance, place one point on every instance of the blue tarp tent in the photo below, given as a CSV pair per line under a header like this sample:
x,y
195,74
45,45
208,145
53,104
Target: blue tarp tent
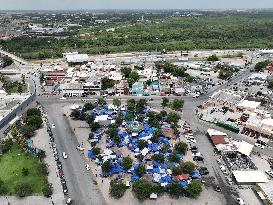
x,y
91,154
196,174
183,184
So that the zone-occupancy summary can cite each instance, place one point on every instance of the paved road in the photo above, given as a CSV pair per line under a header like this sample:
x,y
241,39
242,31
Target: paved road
x,y
79,181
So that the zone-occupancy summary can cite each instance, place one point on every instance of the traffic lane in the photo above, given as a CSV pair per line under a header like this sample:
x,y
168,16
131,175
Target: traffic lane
x,y
79,181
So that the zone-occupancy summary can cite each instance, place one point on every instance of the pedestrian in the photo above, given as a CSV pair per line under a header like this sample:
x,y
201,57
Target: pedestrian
x,y
74,129
102,181
96,175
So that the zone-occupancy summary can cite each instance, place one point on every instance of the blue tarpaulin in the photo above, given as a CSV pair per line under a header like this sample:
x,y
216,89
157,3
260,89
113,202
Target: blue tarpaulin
x,y
91,154
196,174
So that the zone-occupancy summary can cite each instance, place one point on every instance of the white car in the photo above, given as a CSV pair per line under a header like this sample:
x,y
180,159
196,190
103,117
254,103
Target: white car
x,y
87,167
53,126
229,180
62,98
269,172
240,201
196,154
80,148
259,145
191,140
65,155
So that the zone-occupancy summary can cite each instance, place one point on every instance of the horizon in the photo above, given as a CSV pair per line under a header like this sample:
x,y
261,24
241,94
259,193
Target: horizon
x,y
22,5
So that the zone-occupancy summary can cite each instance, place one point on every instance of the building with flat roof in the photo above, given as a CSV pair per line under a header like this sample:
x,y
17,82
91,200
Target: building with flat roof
x,y
250,177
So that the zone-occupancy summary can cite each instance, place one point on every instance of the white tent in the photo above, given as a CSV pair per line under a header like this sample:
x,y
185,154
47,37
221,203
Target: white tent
x,y
245,148
253,176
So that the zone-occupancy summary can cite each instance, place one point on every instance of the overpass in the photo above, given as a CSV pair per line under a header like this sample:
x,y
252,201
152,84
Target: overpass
x,y
14,57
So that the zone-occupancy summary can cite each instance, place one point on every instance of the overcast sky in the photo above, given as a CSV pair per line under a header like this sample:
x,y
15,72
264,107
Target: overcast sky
x,y
131,4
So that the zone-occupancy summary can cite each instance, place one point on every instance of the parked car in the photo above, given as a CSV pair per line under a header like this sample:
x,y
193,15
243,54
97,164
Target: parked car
x,y
269,172
240,201
53,126
59,165
203,170
198,158
87,167
194,149
229,180
65,190
65,155
218,189
80,148
259,145
196,154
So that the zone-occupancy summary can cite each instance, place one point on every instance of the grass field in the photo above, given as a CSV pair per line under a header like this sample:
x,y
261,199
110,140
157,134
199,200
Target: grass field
x,y
11,165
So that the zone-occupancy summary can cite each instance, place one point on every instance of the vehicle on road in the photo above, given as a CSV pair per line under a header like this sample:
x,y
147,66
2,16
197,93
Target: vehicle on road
x,y
203,171
240,201
259,145
69,201
269,172
53,126
198,158
62,98
80,148
65,190
218,189
87,167
65,155
229,180
196,154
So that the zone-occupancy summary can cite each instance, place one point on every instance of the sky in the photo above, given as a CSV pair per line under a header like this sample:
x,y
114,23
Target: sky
x,y
132,4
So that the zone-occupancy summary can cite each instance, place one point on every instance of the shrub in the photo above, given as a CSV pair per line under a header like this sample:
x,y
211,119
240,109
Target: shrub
x,y
174,158
117,189
23,189
158,189
3,189
47,189
43,169
142,144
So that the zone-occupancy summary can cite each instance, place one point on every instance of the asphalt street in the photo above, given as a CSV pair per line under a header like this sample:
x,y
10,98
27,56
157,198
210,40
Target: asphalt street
x,y
81,187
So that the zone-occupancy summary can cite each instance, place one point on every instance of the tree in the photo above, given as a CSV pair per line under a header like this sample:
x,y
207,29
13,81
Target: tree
x,y
177,104
126,72
142,189
117,189
117,139
174,158
189,79
88,106
270,85
94,126
187,167
96,150
3,188
158,189
7,61
158,158
102,102
213,58
140,171
133,77
47,190
23,189
127,163
34,121
27,131
181,147
106,166
165,102
156,136
107,83
111,131
75,114
260,66
140,105
194,188
173,118
142,144
174,189
116,102
33,111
